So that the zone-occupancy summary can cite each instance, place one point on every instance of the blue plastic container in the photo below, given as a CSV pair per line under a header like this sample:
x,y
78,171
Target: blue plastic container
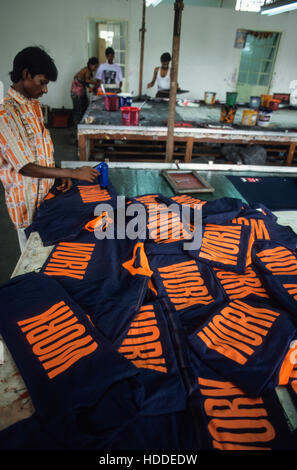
x,y
125,99
255,102
103,176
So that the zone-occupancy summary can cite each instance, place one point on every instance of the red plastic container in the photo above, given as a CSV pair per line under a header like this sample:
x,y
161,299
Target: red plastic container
x,y
130,115
111,102
273,104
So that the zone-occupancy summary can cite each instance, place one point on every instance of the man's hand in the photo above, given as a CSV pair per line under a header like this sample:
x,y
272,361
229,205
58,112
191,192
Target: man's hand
x,y
149,85
65,185
85,173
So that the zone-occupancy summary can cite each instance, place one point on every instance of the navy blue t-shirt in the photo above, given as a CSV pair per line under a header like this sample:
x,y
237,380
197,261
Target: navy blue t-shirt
x,y
62,216
233,420
148,345
246,341
189,285
277,266
108,278
73,374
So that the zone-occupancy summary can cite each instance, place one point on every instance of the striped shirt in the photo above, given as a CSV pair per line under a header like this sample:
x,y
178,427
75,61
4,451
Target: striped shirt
x,y
23,139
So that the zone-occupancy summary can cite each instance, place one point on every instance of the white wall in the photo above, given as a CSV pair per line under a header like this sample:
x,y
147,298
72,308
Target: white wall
x,y
208,60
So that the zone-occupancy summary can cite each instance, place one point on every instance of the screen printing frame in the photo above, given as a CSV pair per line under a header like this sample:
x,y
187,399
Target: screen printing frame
x,y
207,188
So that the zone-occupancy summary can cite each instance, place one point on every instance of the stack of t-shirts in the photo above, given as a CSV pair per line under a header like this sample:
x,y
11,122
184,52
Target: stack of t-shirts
x,y
186,326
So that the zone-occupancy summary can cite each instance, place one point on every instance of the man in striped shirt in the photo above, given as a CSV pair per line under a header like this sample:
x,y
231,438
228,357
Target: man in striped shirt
x,y
27,166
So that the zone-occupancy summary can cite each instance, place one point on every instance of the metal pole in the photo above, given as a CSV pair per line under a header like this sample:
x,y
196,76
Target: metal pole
x,y
178,7
142,32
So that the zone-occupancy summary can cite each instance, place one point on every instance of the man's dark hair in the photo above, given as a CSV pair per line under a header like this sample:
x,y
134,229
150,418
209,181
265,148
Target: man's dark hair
x,y
37,61
166,57
109,50
93,61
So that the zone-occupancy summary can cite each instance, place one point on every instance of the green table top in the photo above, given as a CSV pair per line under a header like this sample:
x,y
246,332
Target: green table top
x,y
135,182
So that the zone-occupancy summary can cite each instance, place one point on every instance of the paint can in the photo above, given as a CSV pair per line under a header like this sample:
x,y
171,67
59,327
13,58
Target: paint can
x,y
125,99
265,99
255,102
130,115
111,102
273,104
264,118
231,98
227,114
249,117
209,97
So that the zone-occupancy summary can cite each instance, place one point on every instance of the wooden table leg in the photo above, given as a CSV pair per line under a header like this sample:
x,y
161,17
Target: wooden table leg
x,y
189,149
92,145
290,154
82,147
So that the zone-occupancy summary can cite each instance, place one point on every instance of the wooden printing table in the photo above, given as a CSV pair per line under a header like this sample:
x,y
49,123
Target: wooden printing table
x,y
98,124
15,400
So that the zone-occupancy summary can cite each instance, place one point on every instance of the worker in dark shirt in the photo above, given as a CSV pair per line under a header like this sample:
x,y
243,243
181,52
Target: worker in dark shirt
x,y
79,85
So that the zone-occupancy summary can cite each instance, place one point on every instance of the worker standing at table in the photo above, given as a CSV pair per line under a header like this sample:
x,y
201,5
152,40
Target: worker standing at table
x,y
110,74
27,166
162,75
79,85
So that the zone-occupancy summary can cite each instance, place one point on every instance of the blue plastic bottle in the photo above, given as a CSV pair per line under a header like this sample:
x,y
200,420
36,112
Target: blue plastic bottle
x,y
103,176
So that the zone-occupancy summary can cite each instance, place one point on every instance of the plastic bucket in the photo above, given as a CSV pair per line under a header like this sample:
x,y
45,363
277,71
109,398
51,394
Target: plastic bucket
x,y
255,102
265,99
111,102
130,116
125,99
264,118
249,117
273,104
209,97
231,98
227,114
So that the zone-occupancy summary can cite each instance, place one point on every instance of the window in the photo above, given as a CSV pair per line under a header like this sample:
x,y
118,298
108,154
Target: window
x,y
250,5
257,59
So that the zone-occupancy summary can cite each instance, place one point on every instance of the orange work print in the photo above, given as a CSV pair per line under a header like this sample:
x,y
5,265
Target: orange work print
x,y
236,422
189,201
279,261
164,224
238,286
238,330
258,228
142,345
57,338
184,285
220,243
93,193
70,259
292,290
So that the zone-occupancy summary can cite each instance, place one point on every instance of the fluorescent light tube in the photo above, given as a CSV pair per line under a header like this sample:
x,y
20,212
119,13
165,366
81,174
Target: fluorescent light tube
x,y
278,7
154,3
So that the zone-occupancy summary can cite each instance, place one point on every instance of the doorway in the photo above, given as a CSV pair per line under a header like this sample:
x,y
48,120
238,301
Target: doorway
x,y
257,64
109,33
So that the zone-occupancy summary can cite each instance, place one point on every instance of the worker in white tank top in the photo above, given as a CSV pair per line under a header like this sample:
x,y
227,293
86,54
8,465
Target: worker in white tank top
x,y
163,83
162,74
